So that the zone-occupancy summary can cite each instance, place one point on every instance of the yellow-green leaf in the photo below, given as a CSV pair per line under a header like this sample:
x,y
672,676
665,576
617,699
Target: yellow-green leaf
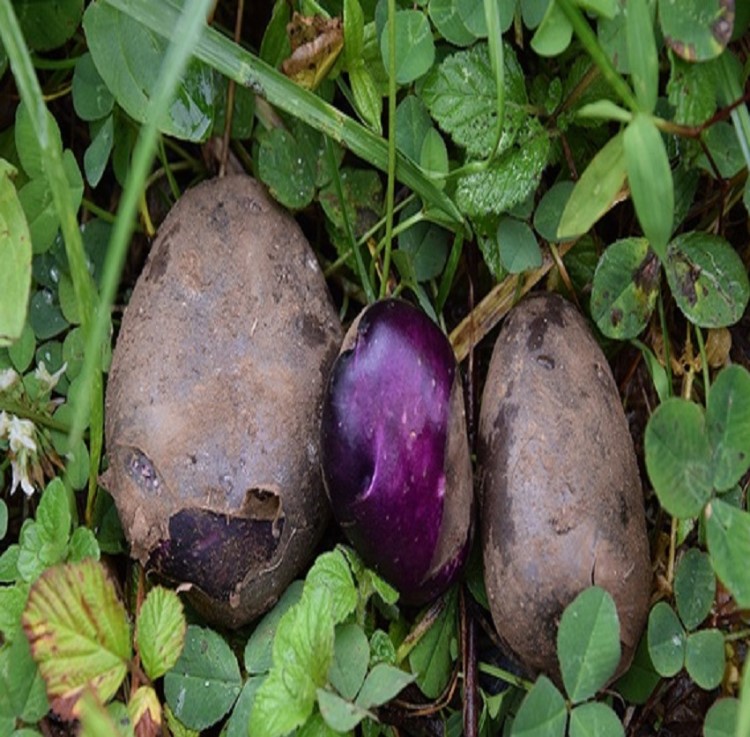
x,y
15,256
160,631
79,633
650,177
595,191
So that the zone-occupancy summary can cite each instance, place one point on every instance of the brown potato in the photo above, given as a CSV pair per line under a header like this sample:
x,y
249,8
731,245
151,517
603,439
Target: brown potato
x,y
561,500
214,399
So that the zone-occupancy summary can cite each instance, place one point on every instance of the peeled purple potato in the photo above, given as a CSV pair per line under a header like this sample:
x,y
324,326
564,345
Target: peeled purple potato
x,y
394,450
560,493
214,399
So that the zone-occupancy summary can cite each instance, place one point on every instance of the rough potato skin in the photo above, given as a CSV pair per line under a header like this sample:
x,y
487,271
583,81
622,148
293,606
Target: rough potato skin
x,y
560,493
214,398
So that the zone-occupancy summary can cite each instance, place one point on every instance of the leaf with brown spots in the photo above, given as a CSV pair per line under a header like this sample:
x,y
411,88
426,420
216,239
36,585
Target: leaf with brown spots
x,y
316,44
79,634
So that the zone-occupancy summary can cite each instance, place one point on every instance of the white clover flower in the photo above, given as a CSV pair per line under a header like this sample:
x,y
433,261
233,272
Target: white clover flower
x,y
8,377
21,439
46,378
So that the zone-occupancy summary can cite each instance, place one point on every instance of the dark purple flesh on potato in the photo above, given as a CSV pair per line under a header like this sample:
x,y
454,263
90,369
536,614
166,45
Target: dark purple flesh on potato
x,y
214,399
560,494
394,449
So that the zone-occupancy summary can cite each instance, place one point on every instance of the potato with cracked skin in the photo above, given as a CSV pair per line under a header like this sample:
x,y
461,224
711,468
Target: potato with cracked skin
x,y
214,398
560,493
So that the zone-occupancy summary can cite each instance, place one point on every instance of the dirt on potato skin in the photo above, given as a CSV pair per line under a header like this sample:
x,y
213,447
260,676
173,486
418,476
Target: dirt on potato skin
x,y
214,399
560,494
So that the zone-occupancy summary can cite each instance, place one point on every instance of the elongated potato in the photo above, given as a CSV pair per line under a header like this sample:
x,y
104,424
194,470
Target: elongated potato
x,y
560,493
214,399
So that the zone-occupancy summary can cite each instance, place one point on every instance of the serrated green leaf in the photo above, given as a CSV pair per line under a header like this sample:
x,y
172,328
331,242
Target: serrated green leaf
x,y
302,654
160,631
708,279
694,588
331,573
509,179
666,640
625,288
383,683
129,56
728,426
15,255
83,545
460,94
542,712
595,191
258,650
650,179
350,660
519,249
588,643
79,633
728,539
642,54
696,29
205,680
339,714
678,457
415,49
595,720
431,659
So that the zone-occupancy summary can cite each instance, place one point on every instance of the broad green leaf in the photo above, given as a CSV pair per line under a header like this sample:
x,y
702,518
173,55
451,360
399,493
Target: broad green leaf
x,y
205,681
30,151
285,169
83,545
509,179
728,426
666,640
45,315
236,725
542,712
550,209
726,155
92,99
331,574
704,658
461,96
694,588
474,17
722,718
708,279
48,24
642,54
640,680
129,56
79,633
728,538
595,720
446,18
383,683
625,288
303,650
258,658
554,33
15,255
588,643
431,658
425,243
415,49
433,156
21,682
691,90
596,190
696,29
518,246
678,457
340,715
650,178
160,631
351,656
412,123
21,353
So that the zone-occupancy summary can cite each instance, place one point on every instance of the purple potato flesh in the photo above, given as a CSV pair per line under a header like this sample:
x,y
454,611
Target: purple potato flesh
x,y
394,450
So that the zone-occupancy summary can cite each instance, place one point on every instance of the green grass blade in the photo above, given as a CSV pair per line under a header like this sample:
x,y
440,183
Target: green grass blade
x,y
248,70
187,29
